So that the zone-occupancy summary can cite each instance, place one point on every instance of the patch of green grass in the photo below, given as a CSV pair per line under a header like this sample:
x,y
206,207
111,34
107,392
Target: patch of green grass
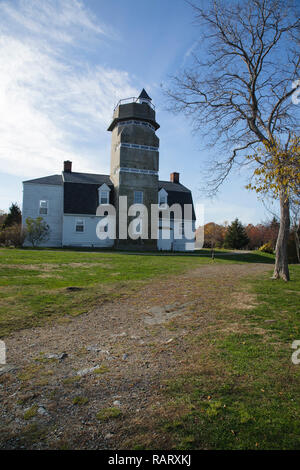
x,y
71,380
80,401
35,373
243,391
30,372
31,412
101,370
34,282
108,413
278,305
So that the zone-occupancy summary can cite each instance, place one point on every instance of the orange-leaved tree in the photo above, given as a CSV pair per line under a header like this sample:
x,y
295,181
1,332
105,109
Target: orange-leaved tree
x,y
278,173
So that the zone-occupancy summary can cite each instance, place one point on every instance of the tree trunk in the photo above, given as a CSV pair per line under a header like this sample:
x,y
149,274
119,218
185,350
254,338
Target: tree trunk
x,y
281,269
296,238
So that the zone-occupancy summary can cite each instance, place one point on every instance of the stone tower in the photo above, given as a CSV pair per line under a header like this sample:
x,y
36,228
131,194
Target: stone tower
x,y
135,159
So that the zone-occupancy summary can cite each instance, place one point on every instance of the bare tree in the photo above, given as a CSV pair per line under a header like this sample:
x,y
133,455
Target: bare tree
x,y
238,89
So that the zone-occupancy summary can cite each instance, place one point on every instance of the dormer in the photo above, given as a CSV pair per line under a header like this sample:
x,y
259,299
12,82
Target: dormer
x,y
103,194
162,198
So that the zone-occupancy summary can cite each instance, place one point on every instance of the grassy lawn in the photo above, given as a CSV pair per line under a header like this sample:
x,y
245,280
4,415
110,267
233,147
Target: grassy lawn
x,y
237,387
234,387
33,283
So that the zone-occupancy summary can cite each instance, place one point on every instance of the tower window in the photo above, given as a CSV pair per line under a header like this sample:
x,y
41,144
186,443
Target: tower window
x,y
79,227
43,208
138,197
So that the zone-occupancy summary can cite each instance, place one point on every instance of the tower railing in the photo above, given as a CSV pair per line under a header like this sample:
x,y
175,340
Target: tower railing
x,y
133,99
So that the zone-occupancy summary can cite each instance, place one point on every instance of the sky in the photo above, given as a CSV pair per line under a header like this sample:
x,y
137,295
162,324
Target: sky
x,y
64,66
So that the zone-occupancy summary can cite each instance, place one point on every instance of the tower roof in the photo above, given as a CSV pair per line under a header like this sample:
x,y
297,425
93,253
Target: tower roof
x,y
144,95
140,108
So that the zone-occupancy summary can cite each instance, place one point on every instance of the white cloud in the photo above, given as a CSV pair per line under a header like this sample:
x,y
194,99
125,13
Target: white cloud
x,y
51,102
58,19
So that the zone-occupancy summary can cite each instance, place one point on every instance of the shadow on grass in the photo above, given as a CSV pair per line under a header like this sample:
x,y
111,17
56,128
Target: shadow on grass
x,y
248,257
252,257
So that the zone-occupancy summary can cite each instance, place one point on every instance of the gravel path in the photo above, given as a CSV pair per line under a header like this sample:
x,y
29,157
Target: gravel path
x,y
116,356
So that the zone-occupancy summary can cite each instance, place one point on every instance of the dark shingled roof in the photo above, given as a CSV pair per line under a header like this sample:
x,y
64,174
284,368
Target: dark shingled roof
x,y
81,198
180,197
53,179
169,186
88,178
177,194
81,191
144,95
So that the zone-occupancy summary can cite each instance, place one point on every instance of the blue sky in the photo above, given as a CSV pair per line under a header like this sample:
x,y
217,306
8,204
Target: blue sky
x,y
66,63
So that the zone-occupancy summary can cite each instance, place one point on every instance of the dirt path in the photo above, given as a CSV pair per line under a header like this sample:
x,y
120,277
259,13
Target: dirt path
x,y
116,358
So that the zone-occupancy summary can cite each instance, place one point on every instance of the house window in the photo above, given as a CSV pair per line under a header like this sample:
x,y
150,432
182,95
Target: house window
x,y
104,197
162,199
79,226
43,207
138,197
182,229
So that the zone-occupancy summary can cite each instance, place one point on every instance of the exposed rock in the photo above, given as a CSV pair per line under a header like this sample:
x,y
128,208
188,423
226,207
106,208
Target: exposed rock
x,y
93,348
4,369
157,310
60,357
118,335
42,411
83,372
157,314
97,349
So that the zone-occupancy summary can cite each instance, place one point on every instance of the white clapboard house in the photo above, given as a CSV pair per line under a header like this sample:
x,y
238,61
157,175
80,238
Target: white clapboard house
x,y
68,201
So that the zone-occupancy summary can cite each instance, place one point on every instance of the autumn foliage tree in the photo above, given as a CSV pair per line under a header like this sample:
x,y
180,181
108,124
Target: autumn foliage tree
x,y
262,233
258,235
238,91
214,235
255,234
278,174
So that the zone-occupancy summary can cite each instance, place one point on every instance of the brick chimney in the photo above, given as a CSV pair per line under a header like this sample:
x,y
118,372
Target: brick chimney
x,y
68,166
174,177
